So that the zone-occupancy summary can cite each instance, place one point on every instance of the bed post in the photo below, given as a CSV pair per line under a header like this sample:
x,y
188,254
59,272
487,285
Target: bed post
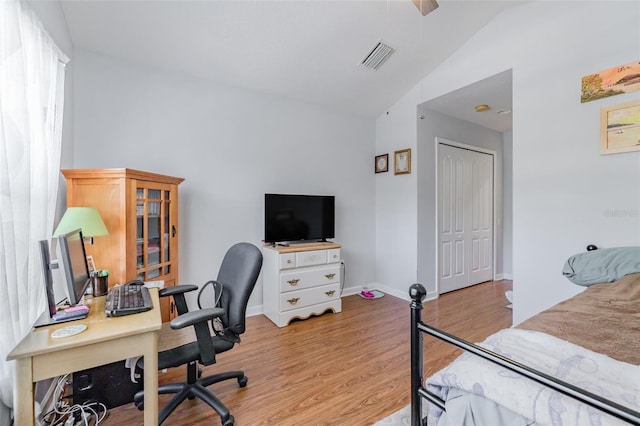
x,y
417,293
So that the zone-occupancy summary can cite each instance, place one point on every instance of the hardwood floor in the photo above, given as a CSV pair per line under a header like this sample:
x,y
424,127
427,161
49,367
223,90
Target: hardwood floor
x,y
350,368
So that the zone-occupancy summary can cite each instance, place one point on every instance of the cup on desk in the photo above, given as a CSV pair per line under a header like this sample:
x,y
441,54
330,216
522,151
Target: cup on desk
x,y
100,283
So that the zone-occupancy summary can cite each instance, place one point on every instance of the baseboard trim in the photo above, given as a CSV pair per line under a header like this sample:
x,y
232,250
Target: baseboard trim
x,y
350,291
400,294
506,276
254,310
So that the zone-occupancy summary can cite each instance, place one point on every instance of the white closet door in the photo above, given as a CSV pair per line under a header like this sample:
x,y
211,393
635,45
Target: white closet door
x,y
481,269
465,217
452,196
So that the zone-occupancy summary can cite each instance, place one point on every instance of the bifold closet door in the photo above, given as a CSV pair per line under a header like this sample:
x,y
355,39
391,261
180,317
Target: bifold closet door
x,y
465,217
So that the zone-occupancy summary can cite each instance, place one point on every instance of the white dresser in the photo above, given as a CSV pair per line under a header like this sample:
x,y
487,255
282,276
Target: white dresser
x,y
300,280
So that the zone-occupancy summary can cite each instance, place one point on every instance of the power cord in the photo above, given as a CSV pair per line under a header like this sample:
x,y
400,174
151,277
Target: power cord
x,y
80,414
65,414
343,277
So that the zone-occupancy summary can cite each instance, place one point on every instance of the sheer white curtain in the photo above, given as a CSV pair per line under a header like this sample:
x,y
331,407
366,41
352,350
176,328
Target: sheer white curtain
x,y
31,99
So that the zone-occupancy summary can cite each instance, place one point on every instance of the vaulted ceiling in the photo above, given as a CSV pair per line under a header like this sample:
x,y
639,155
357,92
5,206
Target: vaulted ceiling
x,y
307,50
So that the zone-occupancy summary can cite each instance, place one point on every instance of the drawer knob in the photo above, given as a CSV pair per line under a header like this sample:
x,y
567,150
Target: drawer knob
x,y
329,293
294,300
294,281
289,261
330,276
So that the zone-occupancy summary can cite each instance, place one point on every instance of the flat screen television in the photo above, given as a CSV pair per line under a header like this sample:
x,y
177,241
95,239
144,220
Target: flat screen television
x,y
73,260
296,218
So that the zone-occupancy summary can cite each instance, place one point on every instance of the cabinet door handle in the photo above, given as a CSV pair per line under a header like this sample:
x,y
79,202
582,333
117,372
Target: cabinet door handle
x,y
294,300
330,276
173,230
294,281
329,293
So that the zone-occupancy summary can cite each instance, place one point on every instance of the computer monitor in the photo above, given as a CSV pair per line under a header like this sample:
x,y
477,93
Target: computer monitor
x,y
73,259
48,276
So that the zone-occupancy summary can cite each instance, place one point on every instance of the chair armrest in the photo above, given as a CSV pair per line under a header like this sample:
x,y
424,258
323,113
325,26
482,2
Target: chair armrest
x,y
195,317
176,289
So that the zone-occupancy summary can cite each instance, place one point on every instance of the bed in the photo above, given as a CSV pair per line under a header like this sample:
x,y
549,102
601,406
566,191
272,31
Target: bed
x,y
577,363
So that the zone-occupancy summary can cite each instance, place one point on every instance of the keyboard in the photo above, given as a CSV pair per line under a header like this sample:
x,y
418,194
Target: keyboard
x,y
127,300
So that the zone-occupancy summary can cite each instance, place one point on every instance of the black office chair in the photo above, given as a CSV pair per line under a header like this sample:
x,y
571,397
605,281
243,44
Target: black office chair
x,y
236,278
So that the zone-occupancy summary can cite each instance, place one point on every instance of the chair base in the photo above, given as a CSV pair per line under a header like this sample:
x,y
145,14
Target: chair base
x,y
195,388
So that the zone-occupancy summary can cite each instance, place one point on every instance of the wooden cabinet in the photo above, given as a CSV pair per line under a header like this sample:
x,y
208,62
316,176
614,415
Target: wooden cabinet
x,y
140,211
300,281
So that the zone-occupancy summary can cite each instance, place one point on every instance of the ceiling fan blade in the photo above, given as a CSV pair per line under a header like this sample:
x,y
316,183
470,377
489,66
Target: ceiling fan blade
x,y
425,6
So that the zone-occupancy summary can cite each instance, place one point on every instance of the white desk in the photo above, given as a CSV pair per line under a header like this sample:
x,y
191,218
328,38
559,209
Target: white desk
x,y
106,340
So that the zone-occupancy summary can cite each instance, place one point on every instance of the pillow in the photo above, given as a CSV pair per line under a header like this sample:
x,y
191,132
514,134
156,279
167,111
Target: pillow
x,y
602,266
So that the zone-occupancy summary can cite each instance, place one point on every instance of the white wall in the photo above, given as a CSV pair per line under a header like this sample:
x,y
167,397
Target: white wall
x,y
563,189
231,146
436,125
396,203
507,205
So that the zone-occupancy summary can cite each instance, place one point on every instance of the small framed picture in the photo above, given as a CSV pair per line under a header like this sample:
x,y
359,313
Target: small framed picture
x,y
382,163
402,162
90,264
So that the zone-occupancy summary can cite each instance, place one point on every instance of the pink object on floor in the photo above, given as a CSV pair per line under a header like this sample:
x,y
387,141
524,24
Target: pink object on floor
x,y
367,294
371,294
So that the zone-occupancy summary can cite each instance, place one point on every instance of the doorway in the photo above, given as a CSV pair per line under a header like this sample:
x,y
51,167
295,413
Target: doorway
x,y
465,216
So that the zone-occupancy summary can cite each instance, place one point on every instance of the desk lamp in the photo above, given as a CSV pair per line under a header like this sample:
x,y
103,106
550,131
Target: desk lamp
x,y
86,218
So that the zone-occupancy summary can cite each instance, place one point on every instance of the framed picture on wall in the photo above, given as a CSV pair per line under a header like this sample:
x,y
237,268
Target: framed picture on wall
x,y
611,82
620,128
402,162
382,163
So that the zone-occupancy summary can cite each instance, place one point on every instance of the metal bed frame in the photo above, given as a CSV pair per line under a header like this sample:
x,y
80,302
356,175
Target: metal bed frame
x,y
417,293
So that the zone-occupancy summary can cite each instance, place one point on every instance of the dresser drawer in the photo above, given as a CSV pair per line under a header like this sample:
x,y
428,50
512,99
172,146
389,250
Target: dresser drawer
x,y
287,261
333,255
309,277
309,296
310,258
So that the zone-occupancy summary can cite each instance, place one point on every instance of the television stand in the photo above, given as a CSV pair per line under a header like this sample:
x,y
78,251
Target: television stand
x,y
301,280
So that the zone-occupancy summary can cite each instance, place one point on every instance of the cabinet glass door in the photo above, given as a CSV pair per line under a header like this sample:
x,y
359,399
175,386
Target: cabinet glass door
x,y
153,227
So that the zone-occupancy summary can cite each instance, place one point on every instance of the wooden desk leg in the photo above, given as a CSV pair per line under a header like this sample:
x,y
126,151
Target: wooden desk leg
x,y
151,379
23,392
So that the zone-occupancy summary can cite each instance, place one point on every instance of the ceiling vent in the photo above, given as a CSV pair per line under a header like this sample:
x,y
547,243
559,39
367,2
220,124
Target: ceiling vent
x,y
377,56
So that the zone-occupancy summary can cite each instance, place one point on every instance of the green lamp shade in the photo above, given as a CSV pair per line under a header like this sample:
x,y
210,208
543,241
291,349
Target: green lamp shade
x,y
86,218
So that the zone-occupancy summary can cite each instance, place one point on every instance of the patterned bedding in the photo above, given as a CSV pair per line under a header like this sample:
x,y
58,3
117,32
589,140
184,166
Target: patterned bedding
x,y
591,340
615,380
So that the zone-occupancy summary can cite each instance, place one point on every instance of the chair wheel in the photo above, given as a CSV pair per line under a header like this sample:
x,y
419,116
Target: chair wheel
x,y
138,400
243,381
229,421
